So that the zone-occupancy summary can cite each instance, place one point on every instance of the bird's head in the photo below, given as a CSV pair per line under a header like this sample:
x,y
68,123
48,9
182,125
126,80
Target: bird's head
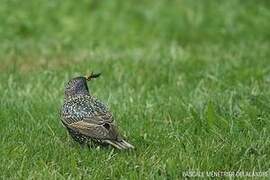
x,y
78,85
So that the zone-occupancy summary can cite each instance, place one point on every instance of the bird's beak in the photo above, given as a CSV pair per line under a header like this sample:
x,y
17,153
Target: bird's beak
x,y
92,75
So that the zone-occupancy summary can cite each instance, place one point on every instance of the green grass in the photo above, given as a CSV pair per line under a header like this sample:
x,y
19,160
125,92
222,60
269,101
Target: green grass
x,y
188,82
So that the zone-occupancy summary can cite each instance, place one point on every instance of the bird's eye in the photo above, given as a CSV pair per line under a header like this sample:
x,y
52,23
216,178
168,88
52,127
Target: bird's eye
x,y
106,125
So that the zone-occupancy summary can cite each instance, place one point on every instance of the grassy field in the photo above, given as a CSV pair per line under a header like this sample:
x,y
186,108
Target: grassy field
x,y
188,82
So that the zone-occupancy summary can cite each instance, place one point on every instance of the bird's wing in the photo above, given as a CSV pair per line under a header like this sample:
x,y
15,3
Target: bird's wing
x,y
100,117
105,131
88,129
100,114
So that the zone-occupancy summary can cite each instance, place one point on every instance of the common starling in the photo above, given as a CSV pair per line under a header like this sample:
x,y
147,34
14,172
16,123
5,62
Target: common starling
x,y
86,118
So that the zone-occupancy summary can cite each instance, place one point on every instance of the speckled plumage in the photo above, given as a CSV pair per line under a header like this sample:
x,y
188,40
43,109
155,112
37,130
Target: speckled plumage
x,y
88,119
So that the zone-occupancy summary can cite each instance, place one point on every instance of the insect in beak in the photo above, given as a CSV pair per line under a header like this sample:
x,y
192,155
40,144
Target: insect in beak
x,y
92,76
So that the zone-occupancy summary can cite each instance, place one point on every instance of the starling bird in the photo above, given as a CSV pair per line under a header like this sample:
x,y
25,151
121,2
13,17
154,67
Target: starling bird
x,y
86,118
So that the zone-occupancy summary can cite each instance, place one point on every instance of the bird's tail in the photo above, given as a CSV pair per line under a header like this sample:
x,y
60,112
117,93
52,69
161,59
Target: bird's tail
x,y
122,144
